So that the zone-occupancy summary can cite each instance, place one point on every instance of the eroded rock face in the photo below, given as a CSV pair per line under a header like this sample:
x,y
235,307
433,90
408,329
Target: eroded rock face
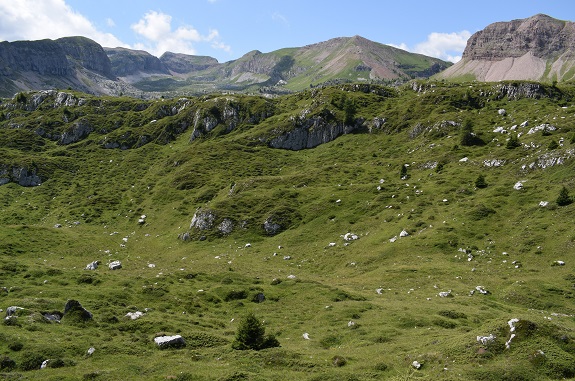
x,y
311,133
203,219
538,48
541,35
23,176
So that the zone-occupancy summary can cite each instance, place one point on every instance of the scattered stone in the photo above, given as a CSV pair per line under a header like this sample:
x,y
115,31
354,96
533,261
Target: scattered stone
x,y
259,297
350,323
392,240
135,315
44,364
446,294
10,311
91,351
306,336
502,112
248,245
185,236
543,204
287,257
54,316
416,365
464,160
485,340
331,244
291,276
350,237
403,233
58,226
151,265
115,265
558,263
175,341
482,290
142,219
511,324
542,127
379,290
518,185
93,265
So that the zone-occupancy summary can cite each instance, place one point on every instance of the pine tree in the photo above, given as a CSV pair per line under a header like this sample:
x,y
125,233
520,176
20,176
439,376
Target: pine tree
x,y
251,335
564,198
480,182
513,142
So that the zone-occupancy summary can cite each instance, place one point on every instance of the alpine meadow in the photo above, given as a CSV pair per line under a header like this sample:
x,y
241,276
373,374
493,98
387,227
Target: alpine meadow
x,y
383,229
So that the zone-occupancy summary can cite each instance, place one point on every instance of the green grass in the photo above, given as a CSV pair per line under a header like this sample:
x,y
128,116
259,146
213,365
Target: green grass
x,y
370,305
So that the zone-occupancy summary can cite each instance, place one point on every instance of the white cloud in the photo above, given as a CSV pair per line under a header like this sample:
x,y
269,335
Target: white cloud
x,y
276,16
156,29
446,46
39,19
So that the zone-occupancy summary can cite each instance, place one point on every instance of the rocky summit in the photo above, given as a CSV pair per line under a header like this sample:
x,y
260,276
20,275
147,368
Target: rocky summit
x,y
536,48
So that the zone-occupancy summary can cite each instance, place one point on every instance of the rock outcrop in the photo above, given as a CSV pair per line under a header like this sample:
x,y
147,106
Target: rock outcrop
x,y
537,48
311,132
24,176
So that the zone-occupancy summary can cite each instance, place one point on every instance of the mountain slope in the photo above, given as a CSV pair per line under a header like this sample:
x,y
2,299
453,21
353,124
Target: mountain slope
x,y
536,48
347,59
374,249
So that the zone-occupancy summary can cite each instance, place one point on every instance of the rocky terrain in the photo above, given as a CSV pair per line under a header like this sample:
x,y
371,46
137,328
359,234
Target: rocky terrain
x,y
536,48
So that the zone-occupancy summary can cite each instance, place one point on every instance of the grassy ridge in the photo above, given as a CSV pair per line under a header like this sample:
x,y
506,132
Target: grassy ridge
x,y
373,302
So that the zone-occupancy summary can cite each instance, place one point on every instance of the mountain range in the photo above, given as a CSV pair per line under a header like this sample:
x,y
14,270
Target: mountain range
x,y
536,48
84,65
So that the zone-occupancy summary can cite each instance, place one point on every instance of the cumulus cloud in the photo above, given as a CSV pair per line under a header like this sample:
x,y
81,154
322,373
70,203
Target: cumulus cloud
x,y
159,37
446,46
39,19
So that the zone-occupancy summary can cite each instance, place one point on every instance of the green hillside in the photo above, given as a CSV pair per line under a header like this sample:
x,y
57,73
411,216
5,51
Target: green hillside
x,y
413,233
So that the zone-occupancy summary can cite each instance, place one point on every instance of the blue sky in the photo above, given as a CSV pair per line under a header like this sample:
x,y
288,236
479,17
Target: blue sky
x,y
227,29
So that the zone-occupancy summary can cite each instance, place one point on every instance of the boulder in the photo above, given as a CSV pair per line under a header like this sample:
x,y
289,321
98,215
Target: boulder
x,y
93,265
115,265
175,341
226,226
73,309
135,315
203,219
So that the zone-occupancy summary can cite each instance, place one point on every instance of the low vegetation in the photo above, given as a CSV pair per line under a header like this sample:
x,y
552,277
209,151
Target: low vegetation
x,y
417,244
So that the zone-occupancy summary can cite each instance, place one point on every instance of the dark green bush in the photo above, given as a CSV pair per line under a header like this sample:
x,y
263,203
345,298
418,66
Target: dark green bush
x,y
31,361
251,335
6,363
564,198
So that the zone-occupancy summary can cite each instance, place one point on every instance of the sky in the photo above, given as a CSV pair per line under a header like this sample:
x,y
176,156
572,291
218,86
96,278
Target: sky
x,y
228,29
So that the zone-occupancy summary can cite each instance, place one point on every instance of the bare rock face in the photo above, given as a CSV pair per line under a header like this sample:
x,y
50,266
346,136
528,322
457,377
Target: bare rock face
x,y
126,62
541,35
538,48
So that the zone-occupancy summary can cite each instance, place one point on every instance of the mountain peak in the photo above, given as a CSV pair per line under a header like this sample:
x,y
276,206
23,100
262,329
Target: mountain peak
x,y
539,47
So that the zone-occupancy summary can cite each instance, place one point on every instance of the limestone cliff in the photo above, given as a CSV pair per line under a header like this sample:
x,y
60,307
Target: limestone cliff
x,y
536,48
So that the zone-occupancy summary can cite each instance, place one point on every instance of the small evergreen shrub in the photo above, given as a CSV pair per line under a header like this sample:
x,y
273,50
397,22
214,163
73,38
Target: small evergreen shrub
x,y
564,198
251,335
480,182
513,142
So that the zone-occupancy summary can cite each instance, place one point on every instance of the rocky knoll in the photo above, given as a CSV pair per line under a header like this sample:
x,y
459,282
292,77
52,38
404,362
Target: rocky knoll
x,y
536,48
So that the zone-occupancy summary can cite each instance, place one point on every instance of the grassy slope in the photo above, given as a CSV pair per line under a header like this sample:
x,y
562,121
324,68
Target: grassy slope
x,y
107,190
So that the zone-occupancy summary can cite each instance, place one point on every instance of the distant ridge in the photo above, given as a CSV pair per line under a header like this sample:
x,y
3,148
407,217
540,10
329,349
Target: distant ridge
x,y
82,64
537,48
